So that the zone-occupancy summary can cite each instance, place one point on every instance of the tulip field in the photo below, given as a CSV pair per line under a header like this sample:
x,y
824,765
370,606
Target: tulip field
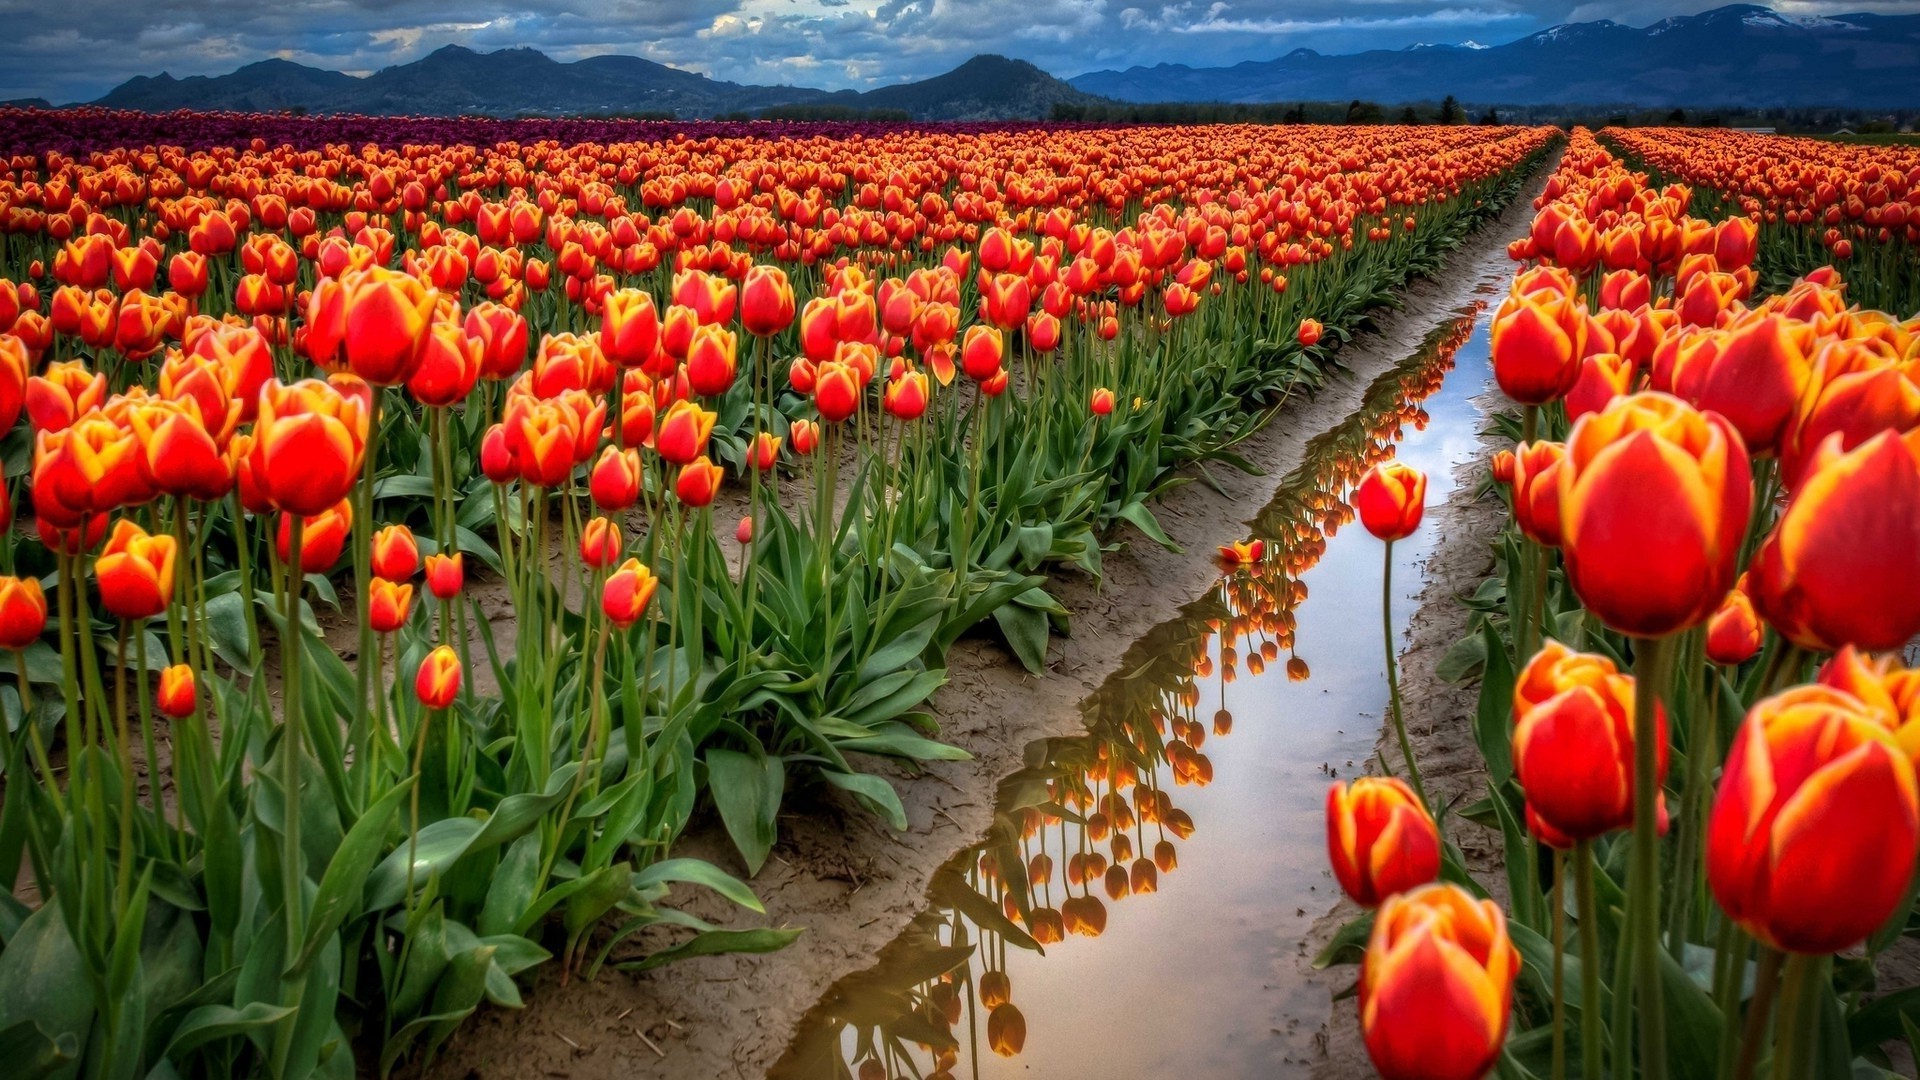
x,y
1695,715
417,528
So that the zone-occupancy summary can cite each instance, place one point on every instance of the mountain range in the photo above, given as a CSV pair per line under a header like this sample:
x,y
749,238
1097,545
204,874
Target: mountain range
x,y
1740,55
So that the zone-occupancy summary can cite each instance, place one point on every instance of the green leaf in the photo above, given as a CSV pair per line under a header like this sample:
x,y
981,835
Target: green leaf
x,y
209,1023
1490,725
1026,631
515,883
697,872
1463,659
343,884
32,1054
1143,519
747,789
715,942
1348,945
873,792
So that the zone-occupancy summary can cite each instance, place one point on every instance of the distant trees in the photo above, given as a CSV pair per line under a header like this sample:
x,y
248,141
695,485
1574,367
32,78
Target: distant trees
x,y
1365,112
1449,110
1408,116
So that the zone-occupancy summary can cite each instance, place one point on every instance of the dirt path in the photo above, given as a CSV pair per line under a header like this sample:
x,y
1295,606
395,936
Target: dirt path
x,y
852,883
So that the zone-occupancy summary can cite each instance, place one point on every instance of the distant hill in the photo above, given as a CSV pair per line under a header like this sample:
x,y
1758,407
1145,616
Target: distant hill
x,y
456,81
1740,55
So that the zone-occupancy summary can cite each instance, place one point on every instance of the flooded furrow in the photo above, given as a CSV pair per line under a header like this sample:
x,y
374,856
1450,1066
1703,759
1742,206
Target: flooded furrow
x,y
1137,907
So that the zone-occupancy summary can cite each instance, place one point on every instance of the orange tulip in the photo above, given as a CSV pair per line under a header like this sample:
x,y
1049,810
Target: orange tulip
x,y
1538,340
449,365
1603,377
176,696
1573,742
1006,1030
23,612
1243,552
1309,333
614,482
374,321
1734,632
628,590
982,351
1653,503
766,301
601,542
310,440
699,482
1380,840
1843,564
502,334
181,456
1101,403
396,555
1436,987
805,437
388,604
136,572
323,537
1391,499
1811,838
836,391
438,680
1755,378
764,451
712,360
906,396
446,574
682,431
1536,490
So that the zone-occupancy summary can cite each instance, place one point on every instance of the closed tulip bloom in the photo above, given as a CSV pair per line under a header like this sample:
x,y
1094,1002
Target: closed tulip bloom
x,y
1573,749
176,696
310,440
681,433
1536,490
135,572
498,462
712,360
601,542
982,351
448,368
629,327
1101,403
23,612
906,396
1755,378
805,437
1391,499
502,334
323,537
766,301
1654,498
438,681
1538,340
396,554
1842,566
698,482
614,482
1309,333
1380,840
1734,632
384,319
182,458
1811,838
764,451
388,604
1006,1029
1853,392
1436,986
628,590
446,574
1603,377
836,391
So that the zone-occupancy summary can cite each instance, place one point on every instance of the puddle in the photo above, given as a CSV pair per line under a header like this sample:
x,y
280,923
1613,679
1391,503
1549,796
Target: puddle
x,y
1138,905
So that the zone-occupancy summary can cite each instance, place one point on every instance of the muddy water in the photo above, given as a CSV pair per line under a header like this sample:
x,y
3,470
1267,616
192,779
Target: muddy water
x,y
1136,908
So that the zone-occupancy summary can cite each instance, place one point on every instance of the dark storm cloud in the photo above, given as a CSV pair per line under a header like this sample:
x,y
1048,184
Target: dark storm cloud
x,y
77,49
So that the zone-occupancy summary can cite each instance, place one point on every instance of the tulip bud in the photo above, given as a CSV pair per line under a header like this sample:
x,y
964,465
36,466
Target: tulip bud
x,y
698,483
388,605
176,697
1812,830
628,590
1391,499
1380,840
1101,404
614,482
1538,340
601,543
766,301
446,574
1309,333
23,612
1650,574
396,555
135,572
1436,987
323,537
1734,632
1573,742
438,681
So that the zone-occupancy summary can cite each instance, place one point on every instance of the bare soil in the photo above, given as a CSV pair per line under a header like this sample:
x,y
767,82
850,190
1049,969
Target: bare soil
x,y
854,884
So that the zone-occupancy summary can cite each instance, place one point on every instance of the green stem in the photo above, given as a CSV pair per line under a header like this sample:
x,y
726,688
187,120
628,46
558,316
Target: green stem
x,y
1559,965
1592,1044
1649,672
1754,1030
1393,678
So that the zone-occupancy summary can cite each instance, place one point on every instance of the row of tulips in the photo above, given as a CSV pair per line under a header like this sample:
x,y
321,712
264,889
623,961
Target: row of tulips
x,y
911,373
1093,823
1695,720
1816,202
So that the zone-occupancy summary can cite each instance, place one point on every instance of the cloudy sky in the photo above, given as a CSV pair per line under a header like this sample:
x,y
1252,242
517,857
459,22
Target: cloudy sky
x,y
75,50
